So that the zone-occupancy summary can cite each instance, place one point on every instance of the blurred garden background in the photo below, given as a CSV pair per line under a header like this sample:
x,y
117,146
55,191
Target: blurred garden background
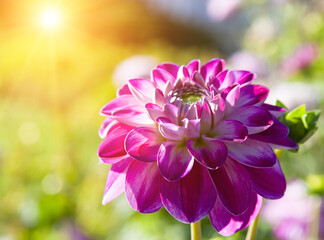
x,y
61,61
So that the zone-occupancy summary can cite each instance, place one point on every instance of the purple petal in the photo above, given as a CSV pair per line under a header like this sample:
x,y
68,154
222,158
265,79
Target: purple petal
x,y
277,131
161,77
284,143
209,152
211,68
113,144
252,153
143,181
275,110
143,144
115,184
174,160
268,182
252,94
193,66
256,119
171,68
230,130
142,89
191,198
233,186
227,224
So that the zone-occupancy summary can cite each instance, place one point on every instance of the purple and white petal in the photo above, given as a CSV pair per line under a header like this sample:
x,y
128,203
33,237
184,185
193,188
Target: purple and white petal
x,y
233,186
143,190
174,160
191,198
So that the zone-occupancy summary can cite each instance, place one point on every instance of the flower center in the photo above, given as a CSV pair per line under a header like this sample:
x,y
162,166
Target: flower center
x,y
188,93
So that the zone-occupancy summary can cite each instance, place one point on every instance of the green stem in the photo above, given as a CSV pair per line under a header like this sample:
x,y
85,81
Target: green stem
x,y
195,230
253,228
254,224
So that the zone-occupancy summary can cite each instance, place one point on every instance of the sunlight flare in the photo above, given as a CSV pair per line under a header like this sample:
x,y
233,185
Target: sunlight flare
x,y
50,18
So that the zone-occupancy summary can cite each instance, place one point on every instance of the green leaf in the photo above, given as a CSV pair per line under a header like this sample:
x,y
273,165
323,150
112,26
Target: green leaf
x,y
302,125
280,104
297,113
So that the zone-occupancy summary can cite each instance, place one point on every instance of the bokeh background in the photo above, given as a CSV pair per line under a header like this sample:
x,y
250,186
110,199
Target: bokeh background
x,y
61,61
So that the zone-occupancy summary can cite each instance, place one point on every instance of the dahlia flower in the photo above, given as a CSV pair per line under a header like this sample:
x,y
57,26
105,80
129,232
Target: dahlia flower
x,y
197,140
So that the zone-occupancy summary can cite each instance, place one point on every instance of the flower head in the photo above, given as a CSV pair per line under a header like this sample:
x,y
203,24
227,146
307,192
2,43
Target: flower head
x,y
196,140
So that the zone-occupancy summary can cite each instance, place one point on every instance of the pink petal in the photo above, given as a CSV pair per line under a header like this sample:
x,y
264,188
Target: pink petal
x,y
197,78
142,89
113,144
171,68
115,184
161,77
268,182
104,127
230,130
256,119
252,153
143,144
231,99
183,73
233,77
174,160
121,103
212,68
227,224
171,131
191,198
233,186
205,114
133,117
193,66
154,111
142,188
209,152
124,90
